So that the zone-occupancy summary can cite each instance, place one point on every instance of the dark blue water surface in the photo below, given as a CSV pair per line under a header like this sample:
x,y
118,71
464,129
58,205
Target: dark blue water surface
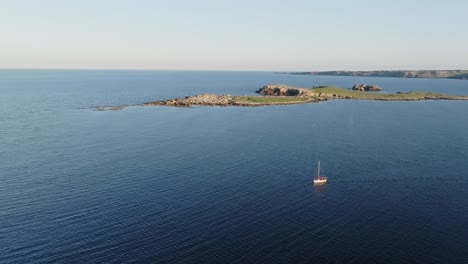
x,y
227,185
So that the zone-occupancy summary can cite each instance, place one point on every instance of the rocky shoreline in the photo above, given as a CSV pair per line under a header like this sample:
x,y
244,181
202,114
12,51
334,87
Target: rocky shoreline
x,y
201,99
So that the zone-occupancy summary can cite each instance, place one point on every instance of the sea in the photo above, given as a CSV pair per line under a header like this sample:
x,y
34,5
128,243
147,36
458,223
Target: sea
x,y
159,184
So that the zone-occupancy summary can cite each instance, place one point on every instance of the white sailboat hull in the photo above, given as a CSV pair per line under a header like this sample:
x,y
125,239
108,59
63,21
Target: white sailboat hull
x,y
320,181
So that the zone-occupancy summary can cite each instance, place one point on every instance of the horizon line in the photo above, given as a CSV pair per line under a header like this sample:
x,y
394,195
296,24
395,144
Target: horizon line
x,y
217,70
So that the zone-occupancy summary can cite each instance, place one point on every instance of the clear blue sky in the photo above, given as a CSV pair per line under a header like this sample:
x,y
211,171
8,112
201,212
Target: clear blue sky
x,y
234,35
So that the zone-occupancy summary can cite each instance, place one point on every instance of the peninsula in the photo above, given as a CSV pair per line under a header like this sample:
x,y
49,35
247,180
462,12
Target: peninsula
x,y
281,94
447,74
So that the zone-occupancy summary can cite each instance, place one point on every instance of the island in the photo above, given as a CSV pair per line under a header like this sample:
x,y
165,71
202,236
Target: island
x,y
281,94
447,74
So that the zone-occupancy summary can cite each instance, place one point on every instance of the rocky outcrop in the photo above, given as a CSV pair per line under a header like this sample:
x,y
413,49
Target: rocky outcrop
x,y
201,99
284,90
367,87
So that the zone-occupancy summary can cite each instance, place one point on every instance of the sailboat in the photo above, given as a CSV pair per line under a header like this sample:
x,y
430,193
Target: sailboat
x,y
319,179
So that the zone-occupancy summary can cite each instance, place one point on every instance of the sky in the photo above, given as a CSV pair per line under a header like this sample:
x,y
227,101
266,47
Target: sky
x,y
268,35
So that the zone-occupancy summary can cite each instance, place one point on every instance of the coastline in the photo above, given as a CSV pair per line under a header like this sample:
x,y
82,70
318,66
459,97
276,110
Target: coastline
x,y
427,74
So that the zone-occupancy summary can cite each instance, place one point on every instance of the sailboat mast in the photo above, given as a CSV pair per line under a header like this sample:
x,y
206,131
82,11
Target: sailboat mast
x,y
318,170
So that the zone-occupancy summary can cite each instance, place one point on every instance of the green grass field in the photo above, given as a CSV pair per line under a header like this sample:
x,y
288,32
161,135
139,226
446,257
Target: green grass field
x,y
383,96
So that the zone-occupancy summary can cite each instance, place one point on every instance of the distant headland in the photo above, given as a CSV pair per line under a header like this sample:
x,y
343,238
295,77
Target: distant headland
x,y
447,74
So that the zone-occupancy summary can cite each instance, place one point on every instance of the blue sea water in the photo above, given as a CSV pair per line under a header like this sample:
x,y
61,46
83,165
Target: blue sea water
x,y
227,185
